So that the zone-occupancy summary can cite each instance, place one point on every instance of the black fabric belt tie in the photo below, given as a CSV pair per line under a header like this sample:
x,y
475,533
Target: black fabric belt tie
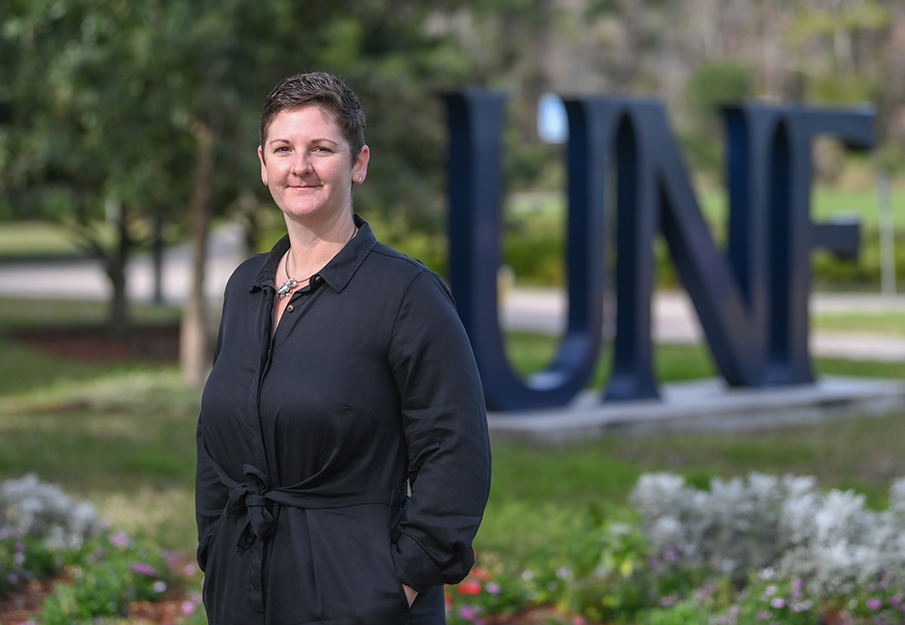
x,y
251,498
255,498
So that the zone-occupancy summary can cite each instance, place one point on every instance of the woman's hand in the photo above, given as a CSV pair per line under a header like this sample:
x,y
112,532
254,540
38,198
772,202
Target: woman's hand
x,y
410,594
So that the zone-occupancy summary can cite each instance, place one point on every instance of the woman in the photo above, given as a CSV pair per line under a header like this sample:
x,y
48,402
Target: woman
x,y
343,457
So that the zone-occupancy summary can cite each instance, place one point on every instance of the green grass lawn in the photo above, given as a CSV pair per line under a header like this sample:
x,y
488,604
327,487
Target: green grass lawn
x,y
34,237
875,322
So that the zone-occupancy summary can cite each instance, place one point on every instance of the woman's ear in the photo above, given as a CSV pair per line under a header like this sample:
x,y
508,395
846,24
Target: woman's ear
x,y
360,168
263,165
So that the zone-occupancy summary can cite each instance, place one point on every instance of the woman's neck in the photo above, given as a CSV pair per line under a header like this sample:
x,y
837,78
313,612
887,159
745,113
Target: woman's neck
x,y
313,247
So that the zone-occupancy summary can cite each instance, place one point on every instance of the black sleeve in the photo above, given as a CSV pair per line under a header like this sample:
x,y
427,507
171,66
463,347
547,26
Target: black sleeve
x,y
210,493
445,425
210,497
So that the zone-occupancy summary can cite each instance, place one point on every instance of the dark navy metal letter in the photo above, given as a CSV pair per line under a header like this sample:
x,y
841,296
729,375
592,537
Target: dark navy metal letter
x,y
753,309
794,235
753,306
475,230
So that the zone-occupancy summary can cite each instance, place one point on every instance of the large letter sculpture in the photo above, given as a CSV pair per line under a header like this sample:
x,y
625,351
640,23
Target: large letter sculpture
x,y
753,307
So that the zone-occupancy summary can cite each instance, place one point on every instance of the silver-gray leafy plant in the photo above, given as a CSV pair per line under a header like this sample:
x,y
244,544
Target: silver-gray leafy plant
x,y
38,508
828,538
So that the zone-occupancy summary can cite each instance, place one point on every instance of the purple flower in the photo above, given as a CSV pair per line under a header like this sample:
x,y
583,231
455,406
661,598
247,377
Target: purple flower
x,y
159,586
143,568
671,554
874,603
493,588
468,612
894,600
778,602
120,539
763,615
797,585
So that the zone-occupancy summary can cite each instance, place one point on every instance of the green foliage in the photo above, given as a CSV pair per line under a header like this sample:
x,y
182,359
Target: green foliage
x,y
864,272
106,573
23,558
712,85
716,84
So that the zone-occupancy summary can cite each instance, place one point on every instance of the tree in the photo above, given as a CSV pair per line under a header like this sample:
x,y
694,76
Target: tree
x,y
84,140
153,106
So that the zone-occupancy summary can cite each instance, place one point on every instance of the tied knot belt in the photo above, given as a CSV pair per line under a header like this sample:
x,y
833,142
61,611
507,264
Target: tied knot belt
x,y
254,498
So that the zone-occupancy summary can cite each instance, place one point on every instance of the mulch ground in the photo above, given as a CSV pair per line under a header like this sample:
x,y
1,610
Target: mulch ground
x,y
158,344
25,603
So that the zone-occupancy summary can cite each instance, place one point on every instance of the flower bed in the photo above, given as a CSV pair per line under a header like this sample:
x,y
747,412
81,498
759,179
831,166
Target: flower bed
x,y
97,571
758,551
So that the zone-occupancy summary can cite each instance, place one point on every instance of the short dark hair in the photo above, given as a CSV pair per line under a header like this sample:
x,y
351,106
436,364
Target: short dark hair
x,y
322,89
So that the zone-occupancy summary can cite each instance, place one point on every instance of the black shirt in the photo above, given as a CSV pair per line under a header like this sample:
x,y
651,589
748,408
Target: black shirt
x,y
309,438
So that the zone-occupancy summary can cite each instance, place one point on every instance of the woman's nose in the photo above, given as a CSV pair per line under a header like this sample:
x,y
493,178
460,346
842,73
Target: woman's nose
x,y
301,164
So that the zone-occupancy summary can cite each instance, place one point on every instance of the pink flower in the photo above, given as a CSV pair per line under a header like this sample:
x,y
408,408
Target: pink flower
x,y
187,607
143,568
120,539
778,602
493,588
763,615
874,603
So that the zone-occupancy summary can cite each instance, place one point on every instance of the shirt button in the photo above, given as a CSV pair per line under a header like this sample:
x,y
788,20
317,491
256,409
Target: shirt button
x,y
317,279
290,308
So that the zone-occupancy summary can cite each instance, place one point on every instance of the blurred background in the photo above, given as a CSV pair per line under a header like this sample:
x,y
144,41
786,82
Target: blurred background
x,y
129,189
133,124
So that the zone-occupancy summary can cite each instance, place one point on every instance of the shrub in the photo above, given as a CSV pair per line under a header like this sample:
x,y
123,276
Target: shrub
x,y
829,539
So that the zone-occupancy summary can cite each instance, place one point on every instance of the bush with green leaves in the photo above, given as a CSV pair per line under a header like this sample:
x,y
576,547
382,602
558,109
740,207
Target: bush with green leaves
x,y
109,571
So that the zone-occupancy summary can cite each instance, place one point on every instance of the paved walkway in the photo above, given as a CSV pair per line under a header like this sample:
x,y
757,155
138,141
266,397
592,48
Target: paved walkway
x,y
541,310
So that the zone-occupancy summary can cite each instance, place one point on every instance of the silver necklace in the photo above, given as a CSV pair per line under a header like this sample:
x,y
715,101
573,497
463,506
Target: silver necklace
x,y
291,283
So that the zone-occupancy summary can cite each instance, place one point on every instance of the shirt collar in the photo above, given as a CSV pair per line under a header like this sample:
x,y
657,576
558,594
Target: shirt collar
x,y
337,272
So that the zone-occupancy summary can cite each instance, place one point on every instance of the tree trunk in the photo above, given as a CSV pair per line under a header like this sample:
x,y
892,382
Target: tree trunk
x,y
193,339
158,258
119,322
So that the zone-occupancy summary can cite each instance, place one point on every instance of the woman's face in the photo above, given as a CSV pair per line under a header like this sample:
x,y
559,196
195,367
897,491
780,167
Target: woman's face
x,y
307,164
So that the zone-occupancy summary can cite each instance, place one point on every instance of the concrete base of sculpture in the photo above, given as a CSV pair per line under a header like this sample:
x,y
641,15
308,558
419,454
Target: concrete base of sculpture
x,y
708,405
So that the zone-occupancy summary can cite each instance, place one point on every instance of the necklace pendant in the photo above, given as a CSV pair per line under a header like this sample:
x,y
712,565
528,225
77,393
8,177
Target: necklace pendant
x,y
286,288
